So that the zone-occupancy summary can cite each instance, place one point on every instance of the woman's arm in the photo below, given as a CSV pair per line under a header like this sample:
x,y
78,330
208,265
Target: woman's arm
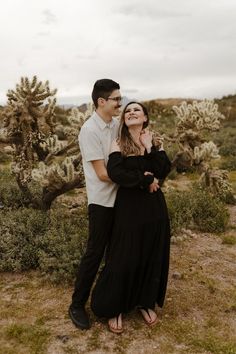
x,y
160,163
124,177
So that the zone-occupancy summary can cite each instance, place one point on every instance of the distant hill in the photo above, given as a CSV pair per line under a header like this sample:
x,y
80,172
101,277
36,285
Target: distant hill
x,y
227,106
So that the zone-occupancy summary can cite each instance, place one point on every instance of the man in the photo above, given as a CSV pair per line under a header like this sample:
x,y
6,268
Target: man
x,y
95,139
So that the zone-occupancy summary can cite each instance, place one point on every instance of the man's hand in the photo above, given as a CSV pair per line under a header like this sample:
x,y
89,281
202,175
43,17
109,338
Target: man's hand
x,y
154,186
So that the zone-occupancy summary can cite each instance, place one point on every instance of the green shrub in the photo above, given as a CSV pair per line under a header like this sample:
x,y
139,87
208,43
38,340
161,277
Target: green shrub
x,y
196,208
229,163
52,241
10,195
209,213
20,231
179,209
225,139
173,174
61,247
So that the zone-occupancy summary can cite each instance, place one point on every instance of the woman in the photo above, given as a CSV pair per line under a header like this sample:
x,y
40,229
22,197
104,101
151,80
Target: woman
x,y
137,259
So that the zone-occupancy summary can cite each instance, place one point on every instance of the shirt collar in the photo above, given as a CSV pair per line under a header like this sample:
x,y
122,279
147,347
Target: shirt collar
x,y
102,125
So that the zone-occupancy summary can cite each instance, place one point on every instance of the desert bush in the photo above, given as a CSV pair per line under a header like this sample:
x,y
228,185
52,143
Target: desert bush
x,y
226,140
61,247
10,194
50,241
229,148
196,208
172,175
229,163
179,209
20,231
209,213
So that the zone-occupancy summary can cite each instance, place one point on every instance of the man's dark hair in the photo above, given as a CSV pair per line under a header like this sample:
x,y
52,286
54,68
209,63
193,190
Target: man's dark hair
x,y
103,88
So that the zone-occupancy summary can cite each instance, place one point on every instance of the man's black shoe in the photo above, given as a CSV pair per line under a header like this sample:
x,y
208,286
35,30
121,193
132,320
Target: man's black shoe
x,y
79,317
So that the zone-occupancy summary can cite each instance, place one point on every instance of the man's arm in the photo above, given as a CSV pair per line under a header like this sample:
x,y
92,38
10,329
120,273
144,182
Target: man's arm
x,y
101,171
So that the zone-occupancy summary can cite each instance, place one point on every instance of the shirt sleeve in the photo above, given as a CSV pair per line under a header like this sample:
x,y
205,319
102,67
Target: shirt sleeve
x,y
126,177
160,163
90,145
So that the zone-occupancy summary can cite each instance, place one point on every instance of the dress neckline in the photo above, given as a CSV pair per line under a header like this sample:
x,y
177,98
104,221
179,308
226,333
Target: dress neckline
x,y
119,152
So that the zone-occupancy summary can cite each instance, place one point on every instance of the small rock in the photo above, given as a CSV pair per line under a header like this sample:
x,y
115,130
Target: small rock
x,y
8,150
192,269
63,338
75,205
177,275
179,238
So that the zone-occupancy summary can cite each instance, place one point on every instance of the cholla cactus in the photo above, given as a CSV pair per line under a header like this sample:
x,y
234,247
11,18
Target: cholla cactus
x,y
218,182
205,152
192,119
77,119
51,144
57,176
198,116
27,118
29,124
32,103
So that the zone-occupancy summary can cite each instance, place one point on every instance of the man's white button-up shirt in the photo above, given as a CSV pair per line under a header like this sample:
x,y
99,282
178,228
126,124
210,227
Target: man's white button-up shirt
x,y
95,140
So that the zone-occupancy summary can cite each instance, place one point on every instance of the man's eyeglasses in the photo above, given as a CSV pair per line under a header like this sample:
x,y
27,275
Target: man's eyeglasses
x,y
116,99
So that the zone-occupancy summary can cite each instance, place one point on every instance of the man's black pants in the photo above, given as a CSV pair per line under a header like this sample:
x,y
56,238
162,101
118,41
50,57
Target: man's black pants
x,y
100,227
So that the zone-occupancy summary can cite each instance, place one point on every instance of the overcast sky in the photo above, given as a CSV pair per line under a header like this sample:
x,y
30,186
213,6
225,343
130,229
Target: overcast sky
x,y
153,48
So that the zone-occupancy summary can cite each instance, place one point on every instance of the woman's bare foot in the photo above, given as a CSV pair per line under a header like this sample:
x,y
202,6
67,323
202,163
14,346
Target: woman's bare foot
x,y
150,316
115,324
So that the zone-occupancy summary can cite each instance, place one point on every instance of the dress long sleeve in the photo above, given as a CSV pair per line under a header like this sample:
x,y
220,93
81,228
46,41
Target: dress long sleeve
x,y
126,177
160,163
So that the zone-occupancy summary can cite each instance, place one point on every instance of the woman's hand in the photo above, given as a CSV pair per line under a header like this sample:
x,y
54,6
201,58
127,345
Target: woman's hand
x,y
154,186
146,139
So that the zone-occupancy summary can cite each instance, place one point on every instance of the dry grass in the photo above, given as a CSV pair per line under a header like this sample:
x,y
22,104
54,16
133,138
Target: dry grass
x,y
198,316
232,179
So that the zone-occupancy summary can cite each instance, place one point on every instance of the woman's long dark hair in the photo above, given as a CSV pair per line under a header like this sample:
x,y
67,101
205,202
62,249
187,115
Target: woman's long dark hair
x,y
126,142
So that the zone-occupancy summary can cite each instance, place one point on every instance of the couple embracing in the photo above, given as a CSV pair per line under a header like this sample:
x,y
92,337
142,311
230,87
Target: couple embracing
x,y
128,217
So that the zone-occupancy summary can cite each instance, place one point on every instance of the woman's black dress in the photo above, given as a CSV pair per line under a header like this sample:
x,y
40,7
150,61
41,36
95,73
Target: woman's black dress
x,y
137,259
